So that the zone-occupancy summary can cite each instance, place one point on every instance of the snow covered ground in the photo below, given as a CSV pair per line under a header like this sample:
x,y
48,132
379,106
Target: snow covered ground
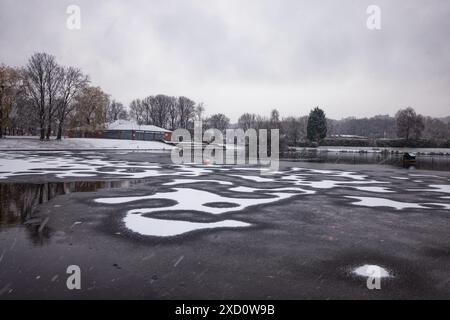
x,y
33,143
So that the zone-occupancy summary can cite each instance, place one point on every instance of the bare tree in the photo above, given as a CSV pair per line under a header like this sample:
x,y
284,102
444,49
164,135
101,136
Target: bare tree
x,y
54,76
274,119
199,110
34,80
136,111
436,129
173,115
409,124
186,111
162,110
72,84
293,129
116,111
90,111
23,118
147,110
9,88
160,106
218,121
247,121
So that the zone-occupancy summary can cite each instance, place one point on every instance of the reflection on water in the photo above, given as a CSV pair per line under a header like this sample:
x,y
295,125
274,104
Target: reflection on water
x,y
424,162
19,201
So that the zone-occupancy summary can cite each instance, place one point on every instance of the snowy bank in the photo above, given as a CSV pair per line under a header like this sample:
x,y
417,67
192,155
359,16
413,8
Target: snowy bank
x,y
33,143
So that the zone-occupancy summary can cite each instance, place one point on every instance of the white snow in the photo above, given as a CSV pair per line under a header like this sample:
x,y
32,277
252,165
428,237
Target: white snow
x,y
73,166
350,175
187,199
370,270
374,189
382,202
131,125
254,178
250,190
443,188
323,184
188,181
169,228
194,200
15,143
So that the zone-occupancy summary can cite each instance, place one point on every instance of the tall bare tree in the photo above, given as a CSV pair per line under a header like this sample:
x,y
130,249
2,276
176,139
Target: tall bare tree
x,y
73,82
409,124
137,111
35,85
173,115
9,87
160,107
186,111
54,76
147,110
247,121
116,111
218,121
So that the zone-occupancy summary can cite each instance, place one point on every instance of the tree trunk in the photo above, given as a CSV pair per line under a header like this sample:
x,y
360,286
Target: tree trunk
x,y
42,126
42,137
42,113
49,131
60,127
49,119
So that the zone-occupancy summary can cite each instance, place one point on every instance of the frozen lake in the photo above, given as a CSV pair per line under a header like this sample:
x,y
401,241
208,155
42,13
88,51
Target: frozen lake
x,y
141,227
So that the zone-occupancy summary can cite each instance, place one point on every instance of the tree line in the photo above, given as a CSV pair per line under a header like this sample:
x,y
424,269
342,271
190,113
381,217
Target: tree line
x,y
46,98
406,124
166,111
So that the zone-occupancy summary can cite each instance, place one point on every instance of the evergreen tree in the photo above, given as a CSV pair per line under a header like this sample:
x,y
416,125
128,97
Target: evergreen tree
x,y
317,125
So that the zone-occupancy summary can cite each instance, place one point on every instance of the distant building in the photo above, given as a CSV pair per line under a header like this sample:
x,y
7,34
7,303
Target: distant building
x,y
128,130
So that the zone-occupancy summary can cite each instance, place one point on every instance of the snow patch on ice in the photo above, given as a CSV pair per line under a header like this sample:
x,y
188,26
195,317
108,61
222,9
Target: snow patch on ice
x,y
250,190
188,181
193,200
443,188
370,270
254,178
382,202
374,189
169,228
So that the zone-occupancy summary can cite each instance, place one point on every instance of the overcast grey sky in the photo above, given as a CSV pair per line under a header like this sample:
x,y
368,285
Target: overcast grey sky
x,y
248,55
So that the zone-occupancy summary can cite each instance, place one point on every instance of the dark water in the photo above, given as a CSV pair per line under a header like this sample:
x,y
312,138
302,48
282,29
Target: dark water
x,y
19,202
424,162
